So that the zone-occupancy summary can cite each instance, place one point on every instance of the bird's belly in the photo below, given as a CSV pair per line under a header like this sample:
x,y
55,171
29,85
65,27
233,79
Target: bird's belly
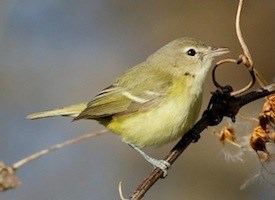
x,y
158,125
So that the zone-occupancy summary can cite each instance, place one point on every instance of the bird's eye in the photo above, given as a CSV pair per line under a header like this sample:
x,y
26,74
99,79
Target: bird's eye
x,y
191,52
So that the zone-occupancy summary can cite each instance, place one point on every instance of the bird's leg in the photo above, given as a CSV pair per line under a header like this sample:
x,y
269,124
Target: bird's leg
x,y
162,164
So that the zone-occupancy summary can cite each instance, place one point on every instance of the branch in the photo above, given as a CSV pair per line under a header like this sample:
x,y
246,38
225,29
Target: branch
x,y
55,147
248,59
8,178
222,104
245,58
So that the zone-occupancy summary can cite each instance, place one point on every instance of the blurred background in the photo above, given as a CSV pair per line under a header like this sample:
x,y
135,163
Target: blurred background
x,y
57,52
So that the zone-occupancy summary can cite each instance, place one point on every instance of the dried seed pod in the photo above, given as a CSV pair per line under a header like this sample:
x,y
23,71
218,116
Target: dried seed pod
x,y
8,179
227,133
272,136
258,139
268,112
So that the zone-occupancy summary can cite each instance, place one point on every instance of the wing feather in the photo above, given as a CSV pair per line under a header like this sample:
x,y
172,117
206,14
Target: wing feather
x,y
129,95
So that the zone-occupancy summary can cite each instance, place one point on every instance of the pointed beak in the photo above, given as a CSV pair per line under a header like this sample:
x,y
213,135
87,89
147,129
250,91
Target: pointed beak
x,y
214,52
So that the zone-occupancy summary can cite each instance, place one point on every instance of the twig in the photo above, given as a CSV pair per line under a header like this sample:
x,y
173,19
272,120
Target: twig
x,y
247,60
239,61
43,152
8,178
244,58
221,62
221,105
120,191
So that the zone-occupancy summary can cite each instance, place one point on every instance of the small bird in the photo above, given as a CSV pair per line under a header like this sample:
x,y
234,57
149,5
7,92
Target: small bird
x,y
153,103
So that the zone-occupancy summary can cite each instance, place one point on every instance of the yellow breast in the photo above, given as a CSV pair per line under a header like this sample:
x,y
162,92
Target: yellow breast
x,y
163,123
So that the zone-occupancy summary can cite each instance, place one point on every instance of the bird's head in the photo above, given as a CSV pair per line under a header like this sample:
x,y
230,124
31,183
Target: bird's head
x,y
186,55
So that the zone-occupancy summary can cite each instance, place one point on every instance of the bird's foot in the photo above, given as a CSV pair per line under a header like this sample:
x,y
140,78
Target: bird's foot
x,y
161,164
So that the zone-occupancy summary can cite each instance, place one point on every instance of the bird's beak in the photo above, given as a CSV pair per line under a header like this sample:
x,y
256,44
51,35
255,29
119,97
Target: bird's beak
x,y
214,52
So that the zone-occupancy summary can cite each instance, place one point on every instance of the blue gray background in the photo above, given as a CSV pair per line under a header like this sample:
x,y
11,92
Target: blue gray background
x,y
57,52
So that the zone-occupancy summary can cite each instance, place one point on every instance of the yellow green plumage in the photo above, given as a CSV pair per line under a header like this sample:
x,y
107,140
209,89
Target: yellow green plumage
x,y
154,102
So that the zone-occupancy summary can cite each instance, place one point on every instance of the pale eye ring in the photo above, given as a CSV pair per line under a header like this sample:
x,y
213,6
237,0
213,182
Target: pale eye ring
x,y
191,52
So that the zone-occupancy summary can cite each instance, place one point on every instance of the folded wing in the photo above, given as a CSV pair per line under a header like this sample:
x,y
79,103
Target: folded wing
x,y
132,92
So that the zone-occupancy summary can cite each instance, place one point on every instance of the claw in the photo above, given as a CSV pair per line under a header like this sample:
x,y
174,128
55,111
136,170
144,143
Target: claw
x,y
161,164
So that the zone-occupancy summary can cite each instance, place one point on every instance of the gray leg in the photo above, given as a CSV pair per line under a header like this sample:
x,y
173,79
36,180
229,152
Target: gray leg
x,y
162,164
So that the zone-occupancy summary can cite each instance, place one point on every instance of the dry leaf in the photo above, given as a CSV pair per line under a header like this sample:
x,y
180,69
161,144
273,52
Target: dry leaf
x,y
8,179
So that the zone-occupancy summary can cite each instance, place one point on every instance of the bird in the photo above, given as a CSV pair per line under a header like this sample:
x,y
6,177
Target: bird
x,y
154,102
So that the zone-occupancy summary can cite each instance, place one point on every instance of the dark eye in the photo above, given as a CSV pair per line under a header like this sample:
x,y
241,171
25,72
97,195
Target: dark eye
x,y
191,52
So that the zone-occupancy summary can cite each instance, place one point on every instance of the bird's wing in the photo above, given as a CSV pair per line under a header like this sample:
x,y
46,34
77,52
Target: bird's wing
x,y
132,92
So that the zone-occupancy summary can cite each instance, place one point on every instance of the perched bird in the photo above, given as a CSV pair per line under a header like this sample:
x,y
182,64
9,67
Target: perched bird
x,y
154,102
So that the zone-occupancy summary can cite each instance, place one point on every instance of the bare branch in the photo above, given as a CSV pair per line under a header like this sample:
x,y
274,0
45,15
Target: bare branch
x,y
55,147
247,60
120,191
246,57
8,178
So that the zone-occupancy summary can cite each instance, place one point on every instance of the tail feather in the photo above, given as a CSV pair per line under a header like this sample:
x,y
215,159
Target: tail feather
x,y
71,111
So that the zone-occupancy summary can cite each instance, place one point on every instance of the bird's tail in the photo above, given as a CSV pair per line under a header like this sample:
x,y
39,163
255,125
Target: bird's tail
x,y
71,111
